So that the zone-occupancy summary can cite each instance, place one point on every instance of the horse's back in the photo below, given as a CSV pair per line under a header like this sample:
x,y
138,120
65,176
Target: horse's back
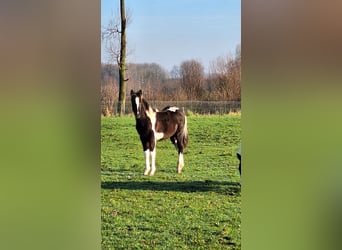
x,y
171,114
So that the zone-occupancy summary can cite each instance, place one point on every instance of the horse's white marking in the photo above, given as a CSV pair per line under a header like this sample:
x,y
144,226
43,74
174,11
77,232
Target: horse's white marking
x,y
180,163
147,160
159,135
153,154
153,117
173,109
137,101
150,169
175,144
150,113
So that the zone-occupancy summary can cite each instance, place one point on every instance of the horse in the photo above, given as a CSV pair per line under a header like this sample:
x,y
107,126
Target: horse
x,y
153,125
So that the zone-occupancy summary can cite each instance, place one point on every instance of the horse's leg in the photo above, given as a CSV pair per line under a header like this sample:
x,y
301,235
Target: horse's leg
x,y
153,144
153,154
180,147
174,142
182,141
180,163
147,161
147,154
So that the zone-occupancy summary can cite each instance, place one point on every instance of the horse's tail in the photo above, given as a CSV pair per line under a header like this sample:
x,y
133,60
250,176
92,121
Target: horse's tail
x,y
184,134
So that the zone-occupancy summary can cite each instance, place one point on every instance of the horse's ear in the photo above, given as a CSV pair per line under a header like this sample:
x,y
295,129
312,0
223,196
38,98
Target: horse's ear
x,y
132,92
140,92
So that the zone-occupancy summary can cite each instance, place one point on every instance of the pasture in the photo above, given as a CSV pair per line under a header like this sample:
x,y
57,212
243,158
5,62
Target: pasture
x,y
197,209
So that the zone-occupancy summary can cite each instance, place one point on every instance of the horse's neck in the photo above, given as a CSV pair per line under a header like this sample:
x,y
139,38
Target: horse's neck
x,y
143,123
148,112
146,105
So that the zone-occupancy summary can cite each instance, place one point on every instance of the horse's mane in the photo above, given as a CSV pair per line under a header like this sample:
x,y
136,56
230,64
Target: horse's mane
x,y
145,104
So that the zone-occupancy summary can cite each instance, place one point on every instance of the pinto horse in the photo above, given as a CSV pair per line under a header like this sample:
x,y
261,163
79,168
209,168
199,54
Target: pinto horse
x,y
153,125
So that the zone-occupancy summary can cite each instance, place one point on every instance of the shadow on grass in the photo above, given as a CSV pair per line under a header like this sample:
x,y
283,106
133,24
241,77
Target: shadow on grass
x,y
229,188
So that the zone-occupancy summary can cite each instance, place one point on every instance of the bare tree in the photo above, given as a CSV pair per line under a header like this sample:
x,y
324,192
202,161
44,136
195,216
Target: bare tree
x,y
109,94
122,61
109,88
192,79
225,77
175,72
114,32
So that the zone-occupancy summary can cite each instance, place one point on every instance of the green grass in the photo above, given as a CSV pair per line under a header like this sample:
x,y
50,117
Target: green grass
x,y
197,209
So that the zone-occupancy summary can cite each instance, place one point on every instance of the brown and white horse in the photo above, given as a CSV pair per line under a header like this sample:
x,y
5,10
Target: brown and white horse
x,y
153,125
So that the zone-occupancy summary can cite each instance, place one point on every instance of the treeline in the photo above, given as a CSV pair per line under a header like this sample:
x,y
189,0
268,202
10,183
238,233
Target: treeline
x,y
186,82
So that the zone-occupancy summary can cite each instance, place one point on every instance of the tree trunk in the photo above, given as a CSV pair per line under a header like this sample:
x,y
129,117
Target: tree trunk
x,y
122,61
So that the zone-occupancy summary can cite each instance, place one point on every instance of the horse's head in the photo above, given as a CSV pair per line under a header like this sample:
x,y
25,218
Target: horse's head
x,y
137,105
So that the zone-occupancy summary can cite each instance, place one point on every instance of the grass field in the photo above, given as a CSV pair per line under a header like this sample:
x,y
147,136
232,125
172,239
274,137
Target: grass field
x,y
197,209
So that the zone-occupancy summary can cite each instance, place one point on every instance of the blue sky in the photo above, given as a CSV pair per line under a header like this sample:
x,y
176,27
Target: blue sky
x,y
168,32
